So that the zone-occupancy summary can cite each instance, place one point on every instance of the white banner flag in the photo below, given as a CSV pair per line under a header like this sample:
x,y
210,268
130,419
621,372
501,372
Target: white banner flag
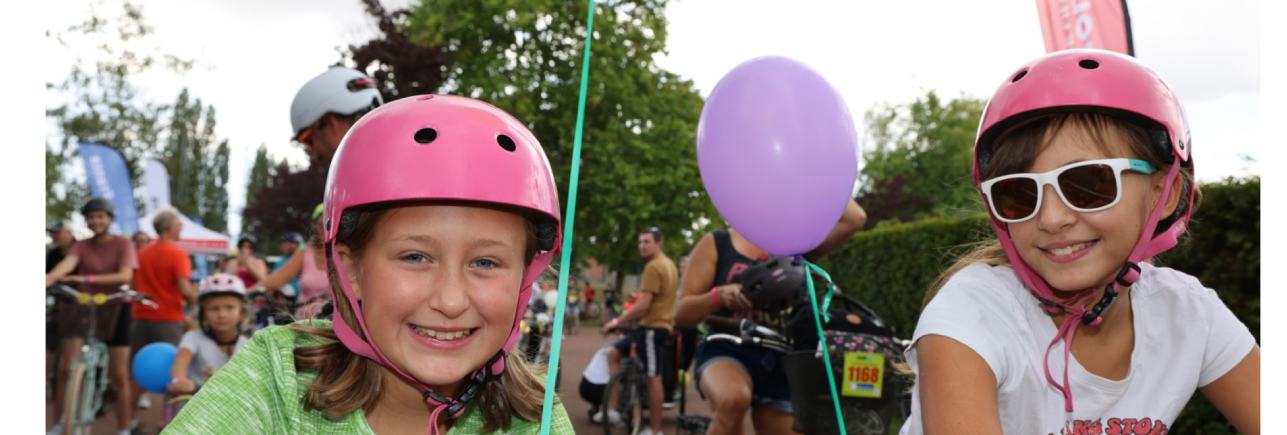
x,y
157,182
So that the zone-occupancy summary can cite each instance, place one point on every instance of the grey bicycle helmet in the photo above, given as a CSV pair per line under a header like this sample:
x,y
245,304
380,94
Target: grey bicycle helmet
x,y
293,237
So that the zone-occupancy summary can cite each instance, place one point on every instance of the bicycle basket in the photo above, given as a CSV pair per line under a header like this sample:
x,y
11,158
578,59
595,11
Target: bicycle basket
x,y
865,362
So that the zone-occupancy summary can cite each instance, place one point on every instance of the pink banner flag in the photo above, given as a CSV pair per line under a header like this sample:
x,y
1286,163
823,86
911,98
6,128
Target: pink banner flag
x,y
1101,24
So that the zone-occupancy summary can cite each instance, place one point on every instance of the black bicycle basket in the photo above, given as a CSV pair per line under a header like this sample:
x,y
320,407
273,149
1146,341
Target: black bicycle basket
x,y
867,387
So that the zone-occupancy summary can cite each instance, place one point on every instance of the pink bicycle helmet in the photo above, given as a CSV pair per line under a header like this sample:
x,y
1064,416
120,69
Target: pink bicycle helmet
x,y
1106,82
219,284
216,285
436,147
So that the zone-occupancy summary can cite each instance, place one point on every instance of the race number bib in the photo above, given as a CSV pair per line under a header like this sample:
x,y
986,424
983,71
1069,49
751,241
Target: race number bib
x,y
864,374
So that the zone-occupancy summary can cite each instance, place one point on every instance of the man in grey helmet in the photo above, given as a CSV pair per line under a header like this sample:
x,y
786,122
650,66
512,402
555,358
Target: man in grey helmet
x,y
327,106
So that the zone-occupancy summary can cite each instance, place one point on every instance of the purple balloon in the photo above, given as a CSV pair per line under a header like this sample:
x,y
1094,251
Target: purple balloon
x,y
778,153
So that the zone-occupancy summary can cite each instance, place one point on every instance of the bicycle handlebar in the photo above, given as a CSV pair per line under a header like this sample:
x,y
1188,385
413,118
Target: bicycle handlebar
x,y
124,292
748,333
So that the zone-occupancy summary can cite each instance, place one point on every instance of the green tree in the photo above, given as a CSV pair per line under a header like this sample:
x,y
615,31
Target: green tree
x,y
919,164
197,161
261,171
214,189
100,101
284,202
400,67
638,156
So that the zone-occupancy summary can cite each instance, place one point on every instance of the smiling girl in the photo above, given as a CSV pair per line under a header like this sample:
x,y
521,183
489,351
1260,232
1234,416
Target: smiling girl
x,y
440,212
1062,325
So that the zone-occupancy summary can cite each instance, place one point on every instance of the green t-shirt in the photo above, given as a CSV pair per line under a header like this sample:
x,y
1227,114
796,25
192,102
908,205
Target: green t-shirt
x,y
260,392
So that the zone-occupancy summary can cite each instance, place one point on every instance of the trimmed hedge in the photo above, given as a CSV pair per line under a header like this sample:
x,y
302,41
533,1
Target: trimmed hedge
x,y
890,268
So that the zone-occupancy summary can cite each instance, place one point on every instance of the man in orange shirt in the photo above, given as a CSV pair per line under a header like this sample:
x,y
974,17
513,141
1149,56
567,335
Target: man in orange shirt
x,y
164,273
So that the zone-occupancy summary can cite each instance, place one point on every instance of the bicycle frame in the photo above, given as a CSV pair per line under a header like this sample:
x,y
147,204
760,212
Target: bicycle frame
x,y
83,397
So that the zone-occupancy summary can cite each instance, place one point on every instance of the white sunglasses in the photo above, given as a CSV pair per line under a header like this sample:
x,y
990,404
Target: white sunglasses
x,y
1088,186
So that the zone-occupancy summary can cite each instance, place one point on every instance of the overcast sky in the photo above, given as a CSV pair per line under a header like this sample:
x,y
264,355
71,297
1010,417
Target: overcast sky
x,y
254,55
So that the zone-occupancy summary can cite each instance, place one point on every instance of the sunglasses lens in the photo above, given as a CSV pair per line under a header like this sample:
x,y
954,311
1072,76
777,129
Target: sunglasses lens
x,y
1089,187
1014,198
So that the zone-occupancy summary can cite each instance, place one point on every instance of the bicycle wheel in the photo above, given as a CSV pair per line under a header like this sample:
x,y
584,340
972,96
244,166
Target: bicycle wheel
x,y
73,399
624,386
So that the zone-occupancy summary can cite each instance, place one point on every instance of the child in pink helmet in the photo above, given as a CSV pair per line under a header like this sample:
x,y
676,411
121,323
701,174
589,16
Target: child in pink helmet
x,y
440,212
1062,325
222,315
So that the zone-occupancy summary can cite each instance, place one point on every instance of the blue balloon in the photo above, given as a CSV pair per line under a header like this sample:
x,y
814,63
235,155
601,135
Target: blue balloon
x,y
151,366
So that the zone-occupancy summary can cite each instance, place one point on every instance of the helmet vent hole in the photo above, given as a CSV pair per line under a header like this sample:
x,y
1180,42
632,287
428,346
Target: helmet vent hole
x,y
1019,76
506,143
426,135
1088,63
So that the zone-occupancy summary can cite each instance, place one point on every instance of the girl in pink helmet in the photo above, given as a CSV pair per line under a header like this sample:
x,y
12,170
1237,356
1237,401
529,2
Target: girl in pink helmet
x,y
1062,325
440,212
222,315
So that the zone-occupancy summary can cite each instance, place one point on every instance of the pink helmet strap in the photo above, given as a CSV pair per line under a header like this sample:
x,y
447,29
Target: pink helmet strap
x,y
1145,248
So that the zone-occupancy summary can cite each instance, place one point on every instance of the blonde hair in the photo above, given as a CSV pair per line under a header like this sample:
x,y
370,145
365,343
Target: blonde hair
x,y
347,381
1024,142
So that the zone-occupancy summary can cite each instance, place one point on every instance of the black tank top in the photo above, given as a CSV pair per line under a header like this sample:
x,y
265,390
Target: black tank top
x,y
729,263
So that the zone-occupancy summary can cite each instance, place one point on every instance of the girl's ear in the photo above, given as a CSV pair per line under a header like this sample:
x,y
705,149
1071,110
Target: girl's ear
x,y
349,262
1173,200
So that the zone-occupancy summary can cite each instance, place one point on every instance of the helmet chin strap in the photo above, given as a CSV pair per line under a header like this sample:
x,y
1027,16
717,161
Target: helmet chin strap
x,y
1145,248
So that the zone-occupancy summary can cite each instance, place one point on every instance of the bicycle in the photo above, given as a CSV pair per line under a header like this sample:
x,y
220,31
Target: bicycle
x,y
742,332
685,423
172,407
806,377
629,386
872,380
85,380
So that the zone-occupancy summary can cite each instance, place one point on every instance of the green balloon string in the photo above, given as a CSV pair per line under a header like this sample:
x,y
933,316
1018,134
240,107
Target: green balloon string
x,y
826,300
822,342
569,218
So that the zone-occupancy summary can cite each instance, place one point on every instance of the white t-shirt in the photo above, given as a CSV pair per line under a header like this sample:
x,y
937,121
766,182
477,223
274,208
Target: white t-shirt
x,y
205,354
1185,338
597,371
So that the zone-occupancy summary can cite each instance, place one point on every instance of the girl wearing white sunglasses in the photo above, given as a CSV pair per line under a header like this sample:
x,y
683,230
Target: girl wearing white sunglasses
x,y
1061,325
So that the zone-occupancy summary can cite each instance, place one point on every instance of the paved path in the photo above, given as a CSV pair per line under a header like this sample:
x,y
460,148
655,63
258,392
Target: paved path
x,y
577,350
106,425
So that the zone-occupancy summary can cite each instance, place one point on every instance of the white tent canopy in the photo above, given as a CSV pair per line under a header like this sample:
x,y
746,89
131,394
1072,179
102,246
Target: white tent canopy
x,y
193,238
